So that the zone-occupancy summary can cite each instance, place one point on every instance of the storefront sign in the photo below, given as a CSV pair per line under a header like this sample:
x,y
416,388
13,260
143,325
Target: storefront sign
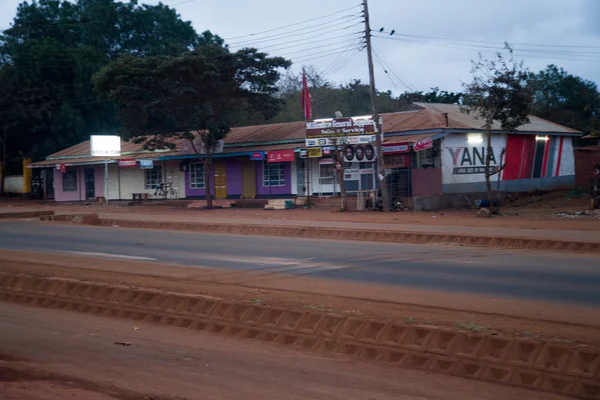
x,y
395,148
280,156
62,168
257,156
337,131
146,164
302,153
423,144
326,161
127,163
359,153
315,152
397,161
105,146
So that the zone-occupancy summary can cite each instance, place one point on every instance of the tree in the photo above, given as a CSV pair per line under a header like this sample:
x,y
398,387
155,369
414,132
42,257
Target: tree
x,y
498,92
566,99
165,99
51,51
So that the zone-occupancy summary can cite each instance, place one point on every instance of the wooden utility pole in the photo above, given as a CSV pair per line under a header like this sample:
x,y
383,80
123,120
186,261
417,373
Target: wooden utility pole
x,y
379,136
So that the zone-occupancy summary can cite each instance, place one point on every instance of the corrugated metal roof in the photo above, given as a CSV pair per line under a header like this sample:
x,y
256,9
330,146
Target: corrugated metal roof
x,y
428,117
411,138
470,121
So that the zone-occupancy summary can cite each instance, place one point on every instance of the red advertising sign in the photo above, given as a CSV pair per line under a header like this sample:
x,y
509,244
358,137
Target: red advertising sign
x,y
257,156
395,148
127,163
280,156
63,168
423,144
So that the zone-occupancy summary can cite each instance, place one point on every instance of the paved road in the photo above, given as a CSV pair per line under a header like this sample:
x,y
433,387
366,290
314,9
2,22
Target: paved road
x,y
181,363
564,278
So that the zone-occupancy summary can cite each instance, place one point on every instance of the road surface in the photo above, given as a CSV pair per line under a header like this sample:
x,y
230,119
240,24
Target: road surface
x,y
171,363
562,278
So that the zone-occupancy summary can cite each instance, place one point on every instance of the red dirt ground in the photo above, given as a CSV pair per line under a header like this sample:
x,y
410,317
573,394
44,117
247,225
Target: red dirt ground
x,y
525,212
507,317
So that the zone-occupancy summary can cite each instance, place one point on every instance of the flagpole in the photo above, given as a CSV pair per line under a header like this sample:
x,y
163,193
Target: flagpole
x,y
307,116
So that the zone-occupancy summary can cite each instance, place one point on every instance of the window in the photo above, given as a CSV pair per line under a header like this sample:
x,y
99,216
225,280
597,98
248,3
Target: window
x,y
273,174
154,177
69,180
197,176
326,176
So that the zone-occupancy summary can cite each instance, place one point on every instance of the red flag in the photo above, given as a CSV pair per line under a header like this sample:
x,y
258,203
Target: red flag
x,y
306,98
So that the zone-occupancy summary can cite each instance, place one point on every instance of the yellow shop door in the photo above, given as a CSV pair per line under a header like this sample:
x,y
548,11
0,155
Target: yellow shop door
x,y
220,180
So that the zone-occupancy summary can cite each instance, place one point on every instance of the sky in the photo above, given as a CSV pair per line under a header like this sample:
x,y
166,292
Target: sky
x,y
433,44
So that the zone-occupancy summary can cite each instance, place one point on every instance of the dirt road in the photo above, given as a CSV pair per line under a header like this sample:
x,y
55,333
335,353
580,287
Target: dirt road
x,y
78,356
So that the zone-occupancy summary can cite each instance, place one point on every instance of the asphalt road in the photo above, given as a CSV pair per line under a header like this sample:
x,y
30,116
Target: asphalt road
x,y
550,277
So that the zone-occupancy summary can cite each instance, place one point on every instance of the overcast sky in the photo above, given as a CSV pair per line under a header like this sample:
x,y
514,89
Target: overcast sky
x,y
421,61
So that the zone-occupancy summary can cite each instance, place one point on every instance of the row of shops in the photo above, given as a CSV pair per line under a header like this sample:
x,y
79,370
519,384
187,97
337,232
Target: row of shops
x,y
434,156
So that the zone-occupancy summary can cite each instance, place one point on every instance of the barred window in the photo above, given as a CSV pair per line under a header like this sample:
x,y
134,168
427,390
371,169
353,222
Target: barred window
x,y
197,176
154,177
273,174
69,180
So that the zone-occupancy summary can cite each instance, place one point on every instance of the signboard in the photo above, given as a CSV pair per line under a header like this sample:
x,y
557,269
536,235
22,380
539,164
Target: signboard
x,y
465,162
302,153
280,156
127,163
326,161
336,131
62,168
257,156
397,161
315,152
395,148
326,151
105,146
423,144
359,153
146,164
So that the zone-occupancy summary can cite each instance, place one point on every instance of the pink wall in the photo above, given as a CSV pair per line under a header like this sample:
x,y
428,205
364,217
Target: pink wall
x,y
79,195
427,182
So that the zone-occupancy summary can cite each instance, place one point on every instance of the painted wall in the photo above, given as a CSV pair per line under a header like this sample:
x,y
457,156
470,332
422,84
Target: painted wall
x,y
123,182
426,182
60,195
189,192
530,163
14,184
463,161
274,190
234,177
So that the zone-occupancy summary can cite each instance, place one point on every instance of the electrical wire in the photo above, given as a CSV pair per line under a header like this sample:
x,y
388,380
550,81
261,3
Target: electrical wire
x,y
278,37
294,24
482,49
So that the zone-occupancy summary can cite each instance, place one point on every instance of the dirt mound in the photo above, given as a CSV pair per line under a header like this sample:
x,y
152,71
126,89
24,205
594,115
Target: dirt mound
x,y
536,364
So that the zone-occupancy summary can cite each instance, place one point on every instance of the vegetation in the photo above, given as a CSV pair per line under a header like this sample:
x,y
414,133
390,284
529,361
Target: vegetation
x,y
499,92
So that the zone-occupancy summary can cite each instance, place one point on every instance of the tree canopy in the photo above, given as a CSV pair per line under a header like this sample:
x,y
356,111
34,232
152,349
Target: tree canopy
x,y
566,99
195,95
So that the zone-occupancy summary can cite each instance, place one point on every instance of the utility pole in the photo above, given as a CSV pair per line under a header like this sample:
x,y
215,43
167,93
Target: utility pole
x,y
379,136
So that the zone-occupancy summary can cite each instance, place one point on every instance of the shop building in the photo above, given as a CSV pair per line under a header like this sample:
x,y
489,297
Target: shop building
x,y
434,157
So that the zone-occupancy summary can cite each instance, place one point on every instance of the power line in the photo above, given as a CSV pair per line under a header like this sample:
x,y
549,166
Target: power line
x,y
294,24
311,45
316,58
278,37
304,40
321,52
482,49
490,42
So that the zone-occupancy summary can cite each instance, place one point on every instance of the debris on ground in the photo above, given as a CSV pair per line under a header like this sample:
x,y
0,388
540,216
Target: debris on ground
x,y
125,344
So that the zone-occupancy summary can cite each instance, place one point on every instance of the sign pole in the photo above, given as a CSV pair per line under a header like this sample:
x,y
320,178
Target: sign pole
x,y
105,183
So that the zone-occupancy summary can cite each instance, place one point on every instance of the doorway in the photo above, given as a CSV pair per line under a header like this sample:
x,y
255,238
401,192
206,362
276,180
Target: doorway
x,y
301,177
90,183
220,180
248,179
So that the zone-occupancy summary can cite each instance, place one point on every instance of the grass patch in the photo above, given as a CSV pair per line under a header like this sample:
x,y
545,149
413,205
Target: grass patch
x,y
473,327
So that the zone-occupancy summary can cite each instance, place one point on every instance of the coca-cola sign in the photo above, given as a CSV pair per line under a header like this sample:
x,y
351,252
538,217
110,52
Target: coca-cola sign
x,y
423,144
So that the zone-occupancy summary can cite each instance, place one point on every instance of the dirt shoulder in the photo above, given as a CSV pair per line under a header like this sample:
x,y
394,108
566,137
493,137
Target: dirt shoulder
x,y
551,211
549,321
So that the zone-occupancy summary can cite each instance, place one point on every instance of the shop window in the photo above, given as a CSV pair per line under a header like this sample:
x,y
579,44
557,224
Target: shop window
x,y
273,174
197,176
326,176
154,177
69,180
429,158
